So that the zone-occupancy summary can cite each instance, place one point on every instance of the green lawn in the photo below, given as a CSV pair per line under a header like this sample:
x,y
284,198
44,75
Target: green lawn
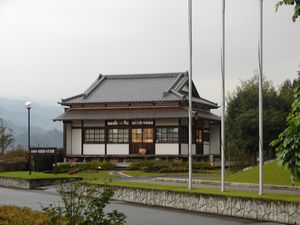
x,y
95,175
272,172
34,175
40,175
293,198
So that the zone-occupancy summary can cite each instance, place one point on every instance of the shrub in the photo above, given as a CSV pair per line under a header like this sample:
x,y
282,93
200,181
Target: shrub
x,y
18,152
83,205
63,168
12,215
202,165
75,168
165,166
13,164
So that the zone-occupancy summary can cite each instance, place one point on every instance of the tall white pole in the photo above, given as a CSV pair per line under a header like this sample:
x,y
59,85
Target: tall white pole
x,y
190,91
223,101
261,101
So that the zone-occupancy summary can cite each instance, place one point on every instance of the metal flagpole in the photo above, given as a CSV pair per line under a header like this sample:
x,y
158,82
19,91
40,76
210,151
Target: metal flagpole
x,y
223,100
260,55
190,91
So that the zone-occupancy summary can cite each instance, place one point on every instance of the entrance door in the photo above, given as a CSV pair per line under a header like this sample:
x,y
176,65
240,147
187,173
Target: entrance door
x,y
142,141
199,142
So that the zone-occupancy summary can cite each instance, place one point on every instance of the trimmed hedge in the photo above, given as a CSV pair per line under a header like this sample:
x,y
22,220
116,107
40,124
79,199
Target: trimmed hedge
x,y
75,168
165,166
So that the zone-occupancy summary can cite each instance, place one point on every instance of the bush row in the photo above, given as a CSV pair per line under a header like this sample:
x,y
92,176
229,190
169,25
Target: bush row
x,y
165,166
75,168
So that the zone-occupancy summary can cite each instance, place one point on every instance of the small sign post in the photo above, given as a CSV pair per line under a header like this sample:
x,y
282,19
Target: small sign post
x,y
43,151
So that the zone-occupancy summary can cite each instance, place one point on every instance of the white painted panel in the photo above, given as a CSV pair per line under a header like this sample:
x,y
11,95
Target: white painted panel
x,y
76,141
93,149
94,123
166,149
69,138
185,149
166,122
117,149
215,139
206,148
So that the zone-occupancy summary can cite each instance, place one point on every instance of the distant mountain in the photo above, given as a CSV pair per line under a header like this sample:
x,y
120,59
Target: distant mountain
x,y
44,132
51,138
42,115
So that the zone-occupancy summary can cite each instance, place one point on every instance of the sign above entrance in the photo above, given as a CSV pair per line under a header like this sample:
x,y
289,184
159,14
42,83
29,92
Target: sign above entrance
x,y
117,122
142,122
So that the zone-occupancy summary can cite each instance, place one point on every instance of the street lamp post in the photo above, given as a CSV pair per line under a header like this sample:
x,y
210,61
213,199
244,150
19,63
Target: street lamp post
x,y
28,107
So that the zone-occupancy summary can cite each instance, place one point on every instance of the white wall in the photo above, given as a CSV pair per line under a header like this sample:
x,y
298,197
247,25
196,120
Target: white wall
x,y
117,149
206,148
76,142
166,122
167,149
185,149
94,123
93,149
215,145
68,138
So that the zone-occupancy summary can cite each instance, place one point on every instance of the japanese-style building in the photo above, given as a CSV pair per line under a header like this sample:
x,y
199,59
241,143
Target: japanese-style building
x,y
139,115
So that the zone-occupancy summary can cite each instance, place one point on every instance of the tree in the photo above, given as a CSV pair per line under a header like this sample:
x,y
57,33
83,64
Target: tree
x,y
295,3
241,120
6,137
288,142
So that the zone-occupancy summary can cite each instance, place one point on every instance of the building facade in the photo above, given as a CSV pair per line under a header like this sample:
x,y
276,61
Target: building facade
x,y
140,115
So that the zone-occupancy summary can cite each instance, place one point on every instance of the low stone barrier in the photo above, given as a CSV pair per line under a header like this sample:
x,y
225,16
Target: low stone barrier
x,y
31,183
244,207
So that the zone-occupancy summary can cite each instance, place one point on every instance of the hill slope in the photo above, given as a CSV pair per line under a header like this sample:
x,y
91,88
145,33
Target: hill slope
x,y
272,173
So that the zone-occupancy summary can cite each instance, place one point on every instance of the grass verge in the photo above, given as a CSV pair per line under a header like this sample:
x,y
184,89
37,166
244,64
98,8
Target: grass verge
x,y
39,175
282,197
272,172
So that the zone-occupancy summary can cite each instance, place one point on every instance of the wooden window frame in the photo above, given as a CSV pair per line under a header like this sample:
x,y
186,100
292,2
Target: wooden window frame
x,y
100,141
169,135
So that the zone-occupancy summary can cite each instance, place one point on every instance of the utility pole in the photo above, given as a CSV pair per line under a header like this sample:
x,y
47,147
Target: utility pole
x,y
190,90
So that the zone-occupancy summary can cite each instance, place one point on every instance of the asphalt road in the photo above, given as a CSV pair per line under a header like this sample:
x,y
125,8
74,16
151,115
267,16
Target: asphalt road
x,y
136,214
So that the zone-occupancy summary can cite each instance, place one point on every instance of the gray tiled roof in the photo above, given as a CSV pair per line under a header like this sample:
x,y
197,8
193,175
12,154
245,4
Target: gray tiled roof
x,y
160,87
144,113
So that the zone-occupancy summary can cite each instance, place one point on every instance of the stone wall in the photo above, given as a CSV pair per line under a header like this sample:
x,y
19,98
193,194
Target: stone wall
x,y
13,182
251,208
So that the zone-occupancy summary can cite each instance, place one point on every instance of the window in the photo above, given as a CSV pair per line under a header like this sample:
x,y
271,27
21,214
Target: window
x,y
94,135
167,135
142,135
118,135
206,136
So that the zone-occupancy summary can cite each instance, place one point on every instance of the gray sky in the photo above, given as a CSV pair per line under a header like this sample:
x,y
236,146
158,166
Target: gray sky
x,y
52,49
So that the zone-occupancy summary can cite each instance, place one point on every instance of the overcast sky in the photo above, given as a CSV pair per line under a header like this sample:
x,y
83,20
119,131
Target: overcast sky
x,y
52,49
